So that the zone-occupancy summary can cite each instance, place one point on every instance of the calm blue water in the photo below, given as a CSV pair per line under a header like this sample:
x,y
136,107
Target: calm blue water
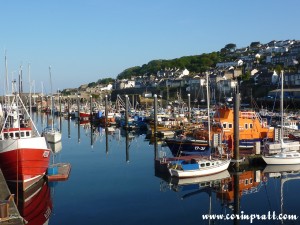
x,y
112,187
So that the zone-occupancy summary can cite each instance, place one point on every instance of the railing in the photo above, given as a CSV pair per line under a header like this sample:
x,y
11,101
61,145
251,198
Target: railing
x,y
251,115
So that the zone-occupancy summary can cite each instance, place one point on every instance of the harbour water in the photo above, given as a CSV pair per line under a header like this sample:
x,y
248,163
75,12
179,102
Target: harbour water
x,y
113,183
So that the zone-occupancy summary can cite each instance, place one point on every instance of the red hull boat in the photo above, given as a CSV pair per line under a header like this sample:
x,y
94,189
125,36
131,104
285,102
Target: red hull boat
x,y
24,154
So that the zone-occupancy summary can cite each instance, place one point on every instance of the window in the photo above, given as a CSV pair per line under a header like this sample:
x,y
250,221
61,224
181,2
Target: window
x,y
22,134
246,181
17,135
251,125
224,125
246,125
230,125
207,164
11,135
5,135
202,165
27,133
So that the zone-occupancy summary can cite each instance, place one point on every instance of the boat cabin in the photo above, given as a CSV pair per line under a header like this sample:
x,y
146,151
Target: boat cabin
x,y
15,133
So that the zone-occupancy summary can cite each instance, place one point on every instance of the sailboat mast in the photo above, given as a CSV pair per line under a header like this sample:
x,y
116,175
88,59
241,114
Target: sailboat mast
x,y
281,105
51,100
50,80
208,106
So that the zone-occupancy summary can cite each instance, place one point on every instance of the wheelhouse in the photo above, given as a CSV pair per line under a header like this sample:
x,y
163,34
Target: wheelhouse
x,y
15,133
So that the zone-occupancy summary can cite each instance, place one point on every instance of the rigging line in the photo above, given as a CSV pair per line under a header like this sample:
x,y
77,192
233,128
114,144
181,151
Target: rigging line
x,y
268,198
275,97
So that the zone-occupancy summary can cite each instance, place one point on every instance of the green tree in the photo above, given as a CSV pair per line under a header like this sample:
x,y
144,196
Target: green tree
x,y
106,80
255,44
93,84
231,47
278,68
246,76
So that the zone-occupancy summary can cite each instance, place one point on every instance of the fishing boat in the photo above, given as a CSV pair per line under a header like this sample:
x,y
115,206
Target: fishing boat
x,y
197,167
24,154
281,153
84,114
182,145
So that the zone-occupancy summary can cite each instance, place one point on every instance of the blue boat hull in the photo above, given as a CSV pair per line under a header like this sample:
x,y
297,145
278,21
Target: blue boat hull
x,y
185,147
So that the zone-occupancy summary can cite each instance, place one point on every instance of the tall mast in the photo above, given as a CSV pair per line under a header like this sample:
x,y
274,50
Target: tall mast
x,y
6,76
51,100
30,107
281,105
208,113
7,101
50,80
20,80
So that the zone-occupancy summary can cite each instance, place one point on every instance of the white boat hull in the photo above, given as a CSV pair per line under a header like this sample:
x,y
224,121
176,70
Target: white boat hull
x,y
203,179
52,136
200,172
276,160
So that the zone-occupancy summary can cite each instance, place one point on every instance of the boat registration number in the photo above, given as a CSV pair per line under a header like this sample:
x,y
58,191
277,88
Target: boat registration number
x,y
46,154
198,148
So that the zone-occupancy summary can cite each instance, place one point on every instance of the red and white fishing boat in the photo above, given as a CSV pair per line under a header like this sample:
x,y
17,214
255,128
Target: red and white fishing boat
x,y
24,154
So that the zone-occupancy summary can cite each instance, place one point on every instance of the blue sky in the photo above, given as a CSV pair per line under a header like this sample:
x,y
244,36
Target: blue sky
x,y
87,40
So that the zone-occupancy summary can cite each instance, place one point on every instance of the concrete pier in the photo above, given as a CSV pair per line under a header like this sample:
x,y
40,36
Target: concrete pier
x,y
9,213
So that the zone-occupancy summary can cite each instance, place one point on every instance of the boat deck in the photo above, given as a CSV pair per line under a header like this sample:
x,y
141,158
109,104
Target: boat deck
x,y
64,170
9,213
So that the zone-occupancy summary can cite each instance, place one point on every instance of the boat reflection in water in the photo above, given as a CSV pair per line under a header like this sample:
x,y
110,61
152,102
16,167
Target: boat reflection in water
x,y
34,204
249,182
214,180
286,173
272,170
228,188
56,147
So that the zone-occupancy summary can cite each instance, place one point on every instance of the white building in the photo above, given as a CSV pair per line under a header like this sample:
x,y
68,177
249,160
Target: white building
x,y
107,88
126,84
